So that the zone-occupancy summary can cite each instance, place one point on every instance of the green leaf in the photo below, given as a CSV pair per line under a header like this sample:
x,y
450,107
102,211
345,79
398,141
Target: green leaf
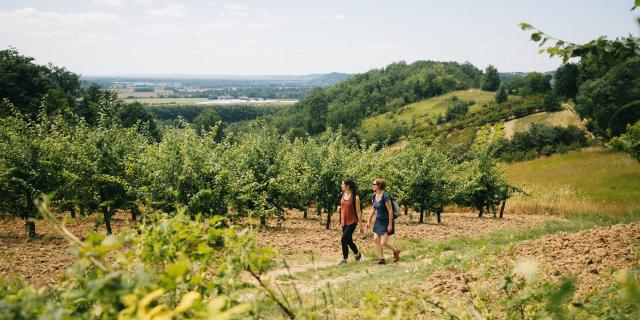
x,y
178,269
536,36
525,26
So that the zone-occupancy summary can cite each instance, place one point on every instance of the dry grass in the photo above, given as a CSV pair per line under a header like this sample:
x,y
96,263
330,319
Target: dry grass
x,y
561,118
590,180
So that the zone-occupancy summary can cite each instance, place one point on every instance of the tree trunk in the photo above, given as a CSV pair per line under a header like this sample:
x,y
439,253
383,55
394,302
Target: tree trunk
x,y
328,225
81,211
480,212
134,213
263,221
304,213
106,213
421,215
30,226
439,215
406,212
72,211
502,208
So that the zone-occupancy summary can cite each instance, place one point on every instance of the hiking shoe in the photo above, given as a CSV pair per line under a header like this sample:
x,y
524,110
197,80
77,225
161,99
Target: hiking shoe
x,y
396,256
343,261
381,261
358,256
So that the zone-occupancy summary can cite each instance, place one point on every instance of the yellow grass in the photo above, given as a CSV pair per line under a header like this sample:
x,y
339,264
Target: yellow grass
x,y
563,118
589,180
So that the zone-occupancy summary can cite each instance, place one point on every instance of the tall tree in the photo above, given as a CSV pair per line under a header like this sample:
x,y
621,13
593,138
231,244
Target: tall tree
x,y
490,79
501,95
316,108
24,83
566,80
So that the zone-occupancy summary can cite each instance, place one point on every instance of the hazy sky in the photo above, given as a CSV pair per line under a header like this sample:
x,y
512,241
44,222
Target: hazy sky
x,y
296,37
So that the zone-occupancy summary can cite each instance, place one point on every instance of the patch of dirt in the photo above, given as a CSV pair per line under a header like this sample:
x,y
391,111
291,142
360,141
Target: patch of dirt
x,y
591,255
309,237
43,260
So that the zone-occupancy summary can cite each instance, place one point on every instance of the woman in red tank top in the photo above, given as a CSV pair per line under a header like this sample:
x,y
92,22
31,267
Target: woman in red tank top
x,y
350,216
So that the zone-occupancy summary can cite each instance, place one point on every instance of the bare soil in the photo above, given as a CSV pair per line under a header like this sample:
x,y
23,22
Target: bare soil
x,y
592,256
43,260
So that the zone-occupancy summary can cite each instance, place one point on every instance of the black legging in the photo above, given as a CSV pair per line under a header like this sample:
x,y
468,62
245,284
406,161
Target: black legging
x,y
347,240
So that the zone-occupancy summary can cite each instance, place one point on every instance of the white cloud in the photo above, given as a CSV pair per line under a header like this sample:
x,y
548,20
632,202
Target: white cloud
x,y
144,2
111,3
235,10
30,19
170,10
335,16
235,7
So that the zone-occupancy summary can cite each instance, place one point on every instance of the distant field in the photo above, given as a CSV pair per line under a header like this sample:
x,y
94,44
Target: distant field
x,y
170,101
582,181
429,109
192,101
561,118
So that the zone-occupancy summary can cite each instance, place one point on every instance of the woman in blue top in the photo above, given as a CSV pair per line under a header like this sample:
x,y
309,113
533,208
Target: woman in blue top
x,y
384,225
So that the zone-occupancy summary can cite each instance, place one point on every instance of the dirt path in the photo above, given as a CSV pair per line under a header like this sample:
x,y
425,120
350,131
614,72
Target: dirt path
x,y
43,261
310,246
306,237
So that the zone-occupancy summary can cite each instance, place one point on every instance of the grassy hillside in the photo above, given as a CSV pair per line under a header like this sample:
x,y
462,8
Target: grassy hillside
x,y
428,110
561,118
588,180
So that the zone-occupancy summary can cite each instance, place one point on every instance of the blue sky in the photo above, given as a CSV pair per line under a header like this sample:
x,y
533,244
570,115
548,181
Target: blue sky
x,y
96,37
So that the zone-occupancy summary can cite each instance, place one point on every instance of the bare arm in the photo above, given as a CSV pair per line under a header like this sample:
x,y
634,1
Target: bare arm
x,y
390,210
359,214
371,212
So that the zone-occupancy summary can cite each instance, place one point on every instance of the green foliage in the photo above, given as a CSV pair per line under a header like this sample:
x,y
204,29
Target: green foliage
x,y
531,84
598,99
253,168
606,75
35,154
25,83
228,113
427,180
170,280
315,111
481,184
566,80
374,92
629,141
490,79
502,95
539,140
209,121
625,116
551,103
135,115
457,111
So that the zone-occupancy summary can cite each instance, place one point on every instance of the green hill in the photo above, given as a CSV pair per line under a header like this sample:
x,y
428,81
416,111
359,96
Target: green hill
x,y
422,114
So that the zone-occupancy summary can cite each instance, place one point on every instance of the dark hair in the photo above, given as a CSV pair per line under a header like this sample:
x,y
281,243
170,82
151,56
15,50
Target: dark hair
x,y
380,183
351,184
